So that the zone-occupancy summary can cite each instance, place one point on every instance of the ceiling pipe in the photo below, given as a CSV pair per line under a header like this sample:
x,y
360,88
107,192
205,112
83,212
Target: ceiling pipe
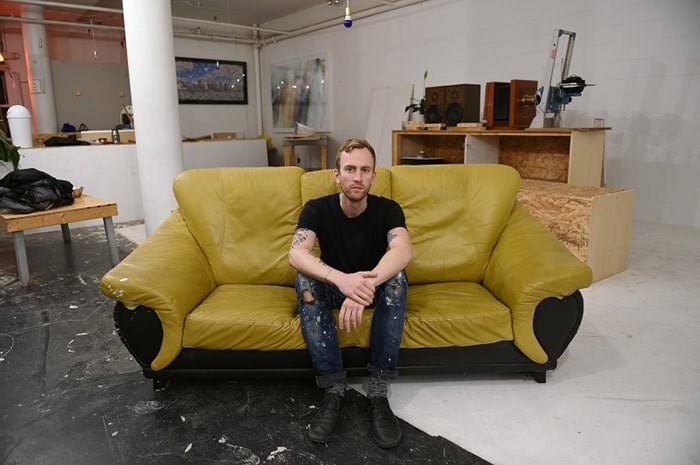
x,y
67,5
204,36
231,25
60,23
362,14
277,35
191,35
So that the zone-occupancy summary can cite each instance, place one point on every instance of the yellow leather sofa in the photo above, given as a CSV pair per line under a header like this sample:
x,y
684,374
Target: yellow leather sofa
x,y
211,290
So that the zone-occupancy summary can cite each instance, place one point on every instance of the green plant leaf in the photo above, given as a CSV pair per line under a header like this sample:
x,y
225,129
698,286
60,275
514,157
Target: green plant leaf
x,y
8,151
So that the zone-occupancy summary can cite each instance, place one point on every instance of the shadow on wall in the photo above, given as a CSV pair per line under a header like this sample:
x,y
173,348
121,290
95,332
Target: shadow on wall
x,y
652,156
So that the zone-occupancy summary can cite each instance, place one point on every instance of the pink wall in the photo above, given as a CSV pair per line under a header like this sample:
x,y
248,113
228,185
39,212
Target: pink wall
x,y
106,47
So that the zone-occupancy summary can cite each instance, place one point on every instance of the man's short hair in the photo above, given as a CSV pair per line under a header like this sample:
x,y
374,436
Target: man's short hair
x,y
355,143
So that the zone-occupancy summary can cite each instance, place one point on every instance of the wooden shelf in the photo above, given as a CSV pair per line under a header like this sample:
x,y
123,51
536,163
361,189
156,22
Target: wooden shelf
x,y
566,155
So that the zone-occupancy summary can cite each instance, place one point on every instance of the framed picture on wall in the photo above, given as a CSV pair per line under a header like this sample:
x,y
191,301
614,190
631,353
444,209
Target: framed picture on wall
x,y
299,94
206,81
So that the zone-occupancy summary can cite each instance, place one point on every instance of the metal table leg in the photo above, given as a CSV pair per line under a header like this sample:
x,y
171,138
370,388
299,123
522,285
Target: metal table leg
x,y
21,255
111,240
65,230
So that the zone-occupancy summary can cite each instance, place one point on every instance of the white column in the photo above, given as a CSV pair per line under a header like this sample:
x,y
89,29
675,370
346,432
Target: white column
x,y
36,56
151,58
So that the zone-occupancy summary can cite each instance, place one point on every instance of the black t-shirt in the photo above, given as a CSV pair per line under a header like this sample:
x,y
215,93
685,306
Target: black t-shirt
x,y
351,244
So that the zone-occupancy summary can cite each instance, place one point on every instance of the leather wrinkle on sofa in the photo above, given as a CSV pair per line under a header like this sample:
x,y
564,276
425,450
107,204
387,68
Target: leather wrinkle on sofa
x,y
215,275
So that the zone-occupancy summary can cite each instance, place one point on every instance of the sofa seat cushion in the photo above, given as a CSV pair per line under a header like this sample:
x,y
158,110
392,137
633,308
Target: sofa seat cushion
x,y
243,317
454,314
256,317
262,317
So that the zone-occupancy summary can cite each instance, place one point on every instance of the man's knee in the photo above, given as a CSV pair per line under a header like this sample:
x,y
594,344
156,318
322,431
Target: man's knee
x,y
306,287
308,296
398,283
395,290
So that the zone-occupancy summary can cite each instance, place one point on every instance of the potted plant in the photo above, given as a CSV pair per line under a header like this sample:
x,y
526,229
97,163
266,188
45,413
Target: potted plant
x,y
9,153
417,106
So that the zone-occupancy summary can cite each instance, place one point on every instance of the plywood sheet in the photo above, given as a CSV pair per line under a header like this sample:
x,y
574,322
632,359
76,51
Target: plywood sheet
x,y
593,222
544,157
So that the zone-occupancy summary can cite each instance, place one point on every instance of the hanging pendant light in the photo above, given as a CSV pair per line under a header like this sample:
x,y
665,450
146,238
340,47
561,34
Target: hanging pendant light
x,y
348,20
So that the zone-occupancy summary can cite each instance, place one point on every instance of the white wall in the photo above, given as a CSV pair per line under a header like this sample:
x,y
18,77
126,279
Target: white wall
x,y
199,120
643,57
111,171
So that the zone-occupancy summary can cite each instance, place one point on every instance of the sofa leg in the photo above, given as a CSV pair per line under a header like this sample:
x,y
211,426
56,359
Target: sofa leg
x,y
160,384
540,376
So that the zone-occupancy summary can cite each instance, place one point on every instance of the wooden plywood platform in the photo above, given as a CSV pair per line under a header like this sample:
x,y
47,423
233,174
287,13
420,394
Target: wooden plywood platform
x,y
547,160
593,222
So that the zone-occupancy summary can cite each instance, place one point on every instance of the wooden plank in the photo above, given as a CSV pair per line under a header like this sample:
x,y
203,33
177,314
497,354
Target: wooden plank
x,y
84,208
586,160
609,234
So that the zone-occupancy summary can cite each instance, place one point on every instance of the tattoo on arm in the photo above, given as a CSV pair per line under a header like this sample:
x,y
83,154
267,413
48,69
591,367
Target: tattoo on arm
x,y
299,237
390,237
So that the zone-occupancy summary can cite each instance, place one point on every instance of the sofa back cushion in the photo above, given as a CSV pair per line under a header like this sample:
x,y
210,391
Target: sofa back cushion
x,y
454,215
243,219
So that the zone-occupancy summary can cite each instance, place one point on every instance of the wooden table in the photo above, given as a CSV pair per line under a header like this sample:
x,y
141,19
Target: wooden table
x,y
289,144
84,208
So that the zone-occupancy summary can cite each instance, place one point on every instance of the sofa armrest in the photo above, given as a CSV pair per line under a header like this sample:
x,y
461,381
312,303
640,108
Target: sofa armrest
x,y
168,273
528,265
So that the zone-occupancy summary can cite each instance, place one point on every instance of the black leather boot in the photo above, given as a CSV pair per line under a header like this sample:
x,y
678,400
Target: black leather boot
x,y
385,426
325,422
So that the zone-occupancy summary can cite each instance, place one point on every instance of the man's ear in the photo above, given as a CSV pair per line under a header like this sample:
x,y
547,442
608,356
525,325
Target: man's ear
x,y
336,175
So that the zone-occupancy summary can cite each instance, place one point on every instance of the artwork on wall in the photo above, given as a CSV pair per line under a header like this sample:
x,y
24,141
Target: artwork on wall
x,y
299,94
211,81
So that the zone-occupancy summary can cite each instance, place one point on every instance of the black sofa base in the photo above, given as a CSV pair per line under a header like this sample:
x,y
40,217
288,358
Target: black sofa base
x,y
556,323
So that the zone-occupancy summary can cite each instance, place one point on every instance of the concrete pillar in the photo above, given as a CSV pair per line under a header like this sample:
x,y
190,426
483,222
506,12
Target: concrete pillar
x,y
151,59
36,55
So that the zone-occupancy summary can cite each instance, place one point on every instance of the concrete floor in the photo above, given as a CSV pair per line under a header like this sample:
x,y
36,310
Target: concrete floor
x,y
627,391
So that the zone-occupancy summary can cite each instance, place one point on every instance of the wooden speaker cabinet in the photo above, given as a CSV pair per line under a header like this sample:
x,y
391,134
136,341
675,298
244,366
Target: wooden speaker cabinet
x,y
434,104
510,104
458,103
462,104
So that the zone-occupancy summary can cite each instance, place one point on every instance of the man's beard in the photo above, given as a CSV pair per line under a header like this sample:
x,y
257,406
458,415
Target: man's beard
x,y
354,195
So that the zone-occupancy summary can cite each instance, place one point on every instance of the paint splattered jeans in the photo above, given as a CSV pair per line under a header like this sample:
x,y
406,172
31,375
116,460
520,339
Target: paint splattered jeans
x,y
320,329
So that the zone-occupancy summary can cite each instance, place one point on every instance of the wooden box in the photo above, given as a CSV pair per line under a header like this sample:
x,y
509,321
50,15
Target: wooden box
x,y
593,222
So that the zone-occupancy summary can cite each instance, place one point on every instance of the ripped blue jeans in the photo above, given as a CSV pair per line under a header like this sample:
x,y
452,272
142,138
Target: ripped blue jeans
x,y
320,329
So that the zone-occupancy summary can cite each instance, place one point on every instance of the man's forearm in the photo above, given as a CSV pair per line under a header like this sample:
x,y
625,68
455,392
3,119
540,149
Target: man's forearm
x,y
393,261
309,264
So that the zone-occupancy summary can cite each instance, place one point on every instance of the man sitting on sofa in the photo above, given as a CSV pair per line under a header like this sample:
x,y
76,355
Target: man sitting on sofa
x,y
364,249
